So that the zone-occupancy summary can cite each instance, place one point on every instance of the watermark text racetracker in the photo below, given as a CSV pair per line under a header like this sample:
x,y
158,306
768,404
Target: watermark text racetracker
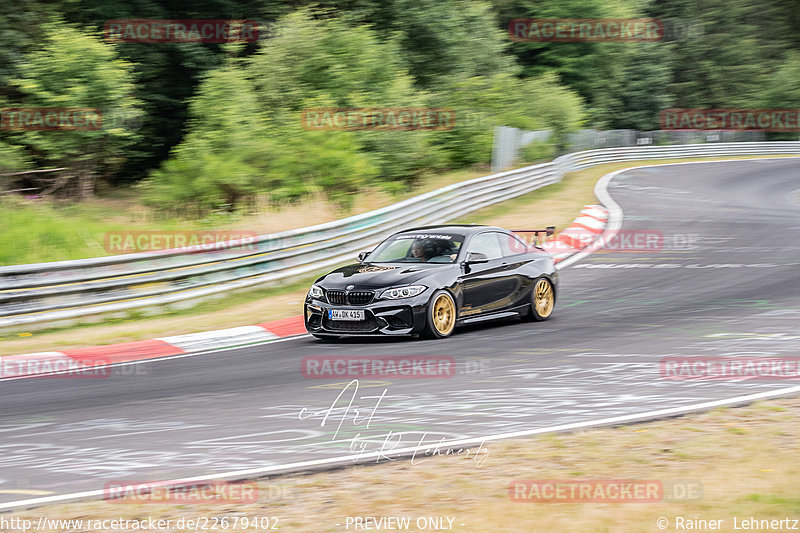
x,y
385,367
678,368
378,119
125,242
128,491
603,490
45,366
787,120
638,240
585,30
51,119
182,31
56,365
644,240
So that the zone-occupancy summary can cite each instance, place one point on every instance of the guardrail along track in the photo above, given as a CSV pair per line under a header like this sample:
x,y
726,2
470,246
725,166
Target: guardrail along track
x,y
68,290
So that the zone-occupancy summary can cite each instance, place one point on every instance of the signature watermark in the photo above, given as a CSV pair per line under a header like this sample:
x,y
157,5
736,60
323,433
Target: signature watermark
x,y
349,408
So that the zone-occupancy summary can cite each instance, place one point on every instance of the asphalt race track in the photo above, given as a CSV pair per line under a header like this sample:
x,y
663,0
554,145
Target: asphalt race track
x,y
726,282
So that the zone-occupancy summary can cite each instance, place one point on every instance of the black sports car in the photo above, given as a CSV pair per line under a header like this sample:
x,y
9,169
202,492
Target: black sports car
x,y
426,281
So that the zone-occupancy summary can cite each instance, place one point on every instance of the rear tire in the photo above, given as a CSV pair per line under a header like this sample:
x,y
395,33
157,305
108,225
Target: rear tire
x,y
543,301
440,318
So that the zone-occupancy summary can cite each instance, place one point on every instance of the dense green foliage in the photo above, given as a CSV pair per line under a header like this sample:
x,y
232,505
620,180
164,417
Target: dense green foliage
x,y
246,133
203,127
76,70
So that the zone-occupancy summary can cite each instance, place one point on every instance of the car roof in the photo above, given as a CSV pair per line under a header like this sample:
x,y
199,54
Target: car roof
x,y
461,229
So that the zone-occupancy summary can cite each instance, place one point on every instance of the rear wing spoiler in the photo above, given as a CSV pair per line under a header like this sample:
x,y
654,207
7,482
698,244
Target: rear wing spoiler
x,y
548,231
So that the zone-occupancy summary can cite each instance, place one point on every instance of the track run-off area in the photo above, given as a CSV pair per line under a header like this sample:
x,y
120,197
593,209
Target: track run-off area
x,y
724,281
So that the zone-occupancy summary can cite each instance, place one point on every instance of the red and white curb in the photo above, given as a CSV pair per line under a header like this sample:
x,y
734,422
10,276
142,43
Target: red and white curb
x,y
583,231
285,326
74,362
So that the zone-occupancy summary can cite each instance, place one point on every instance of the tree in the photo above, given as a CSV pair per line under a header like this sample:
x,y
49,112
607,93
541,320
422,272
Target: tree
x,y
783,87
783,91
19,25
167,74
481,103
217,164
12,159
444,40
233,153
645,90
315,60
593,69
438,39
723,65
72,69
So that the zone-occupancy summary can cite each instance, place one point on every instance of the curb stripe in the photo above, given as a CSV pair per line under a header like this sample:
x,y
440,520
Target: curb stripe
x,y
574,238
596,231
599,219
219,338
123,352
591,222
614,224
285,327
582,233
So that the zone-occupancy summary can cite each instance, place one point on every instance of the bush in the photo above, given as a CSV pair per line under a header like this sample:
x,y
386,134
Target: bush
x,y
537,152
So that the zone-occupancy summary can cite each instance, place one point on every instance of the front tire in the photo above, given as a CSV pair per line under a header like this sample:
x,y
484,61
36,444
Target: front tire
x,y
440,316
543,301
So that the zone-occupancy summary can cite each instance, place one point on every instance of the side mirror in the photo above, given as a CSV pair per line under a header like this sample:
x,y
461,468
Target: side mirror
x,y
362,256
476,257
550,230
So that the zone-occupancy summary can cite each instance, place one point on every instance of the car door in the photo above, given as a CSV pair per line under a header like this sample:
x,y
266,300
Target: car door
x,y
487,286
515,257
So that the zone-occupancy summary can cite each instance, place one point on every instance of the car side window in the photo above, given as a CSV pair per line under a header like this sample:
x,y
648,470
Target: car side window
x,y
487,243
397,250
512,245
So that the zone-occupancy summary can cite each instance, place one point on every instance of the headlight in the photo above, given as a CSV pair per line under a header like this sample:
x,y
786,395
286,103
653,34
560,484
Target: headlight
x,y
402,292
315,291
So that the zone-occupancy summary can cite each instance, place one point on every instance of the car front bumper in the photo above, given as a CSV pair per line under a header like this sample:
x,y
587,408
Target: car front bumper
x,y
383,317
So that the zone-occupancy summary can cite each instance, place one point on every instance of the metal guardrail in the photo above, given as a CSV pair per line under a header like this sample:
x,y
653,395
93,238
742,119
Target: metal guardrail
x,y
68,290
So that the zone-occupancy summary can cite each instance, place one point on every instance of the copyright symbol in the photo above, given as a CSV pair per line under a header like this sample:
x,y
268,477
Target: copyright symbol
x,y
662,523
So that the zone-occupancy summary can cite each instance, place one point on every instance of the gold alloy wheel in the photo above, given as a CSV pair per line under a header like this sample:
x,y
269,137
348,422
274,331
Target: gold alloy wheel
x,y
543,298
444,314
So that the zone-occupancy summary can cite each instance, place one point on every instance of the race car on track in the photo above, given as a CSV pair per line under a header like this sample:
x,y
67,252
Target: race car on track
x,y
426,281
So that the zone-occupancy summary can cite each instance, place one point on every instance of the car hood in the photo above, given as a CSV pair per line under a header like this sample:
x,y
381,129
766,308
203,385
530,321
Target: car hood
x,y
378,276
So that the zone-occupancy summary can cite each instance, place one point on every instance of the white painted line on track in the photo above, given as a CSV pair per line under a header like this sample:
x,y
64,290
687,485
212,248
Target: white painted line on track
x,y
163,358
408,451
615,214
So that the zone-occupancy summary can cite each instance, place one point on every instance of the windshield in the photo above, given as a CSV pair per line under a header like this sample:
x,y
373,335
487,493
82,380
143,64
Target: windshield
x,y
418,248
